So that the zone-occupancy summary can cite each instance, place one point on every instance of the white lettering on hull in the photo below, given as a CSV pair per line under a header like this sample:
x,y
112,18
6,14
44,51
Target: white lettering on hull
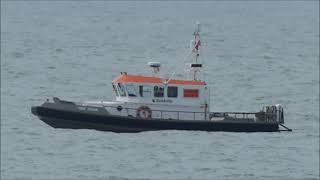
x,y
162,100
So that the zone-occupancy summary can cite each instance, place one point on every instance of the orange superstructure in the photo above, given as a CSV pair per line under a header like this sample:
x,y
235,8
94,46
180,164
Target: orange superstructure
x,y
126,78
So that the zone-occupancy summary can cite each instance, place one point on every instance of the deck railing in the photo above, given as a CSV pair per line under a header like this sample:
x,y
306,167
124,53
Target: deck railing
x,y
246,116
178,113
211,116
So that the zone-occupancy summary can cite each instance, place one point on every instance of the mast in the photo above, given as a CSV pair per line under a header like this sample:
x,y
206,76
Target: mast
x,y
195,46
195,65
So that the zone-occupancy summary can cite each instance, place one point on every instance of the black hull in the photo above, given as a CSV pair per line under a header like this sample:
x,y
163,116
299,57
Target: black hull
x,y
77,120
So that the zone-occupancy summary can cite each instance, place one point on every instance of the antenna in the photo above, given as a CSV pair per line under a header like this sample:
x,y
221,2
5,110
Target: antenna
x,y
155,67
197,28
193,54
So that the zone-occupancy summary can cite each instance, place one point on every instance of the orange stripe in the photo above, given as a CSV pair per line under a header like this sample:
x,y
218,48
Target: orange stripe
x,y
193,93
153,80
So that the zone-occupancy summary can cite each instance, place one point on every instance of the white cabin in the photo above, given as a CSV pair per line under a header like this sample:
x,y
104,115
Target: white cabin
x,y
160,98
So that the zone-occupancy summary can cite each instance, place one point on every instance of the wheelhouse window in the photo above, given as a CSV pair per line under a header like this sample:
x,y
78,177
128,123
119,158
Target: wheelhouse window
x,y
122,90
191,93
145,91
115,90
158,91
131,90
172,91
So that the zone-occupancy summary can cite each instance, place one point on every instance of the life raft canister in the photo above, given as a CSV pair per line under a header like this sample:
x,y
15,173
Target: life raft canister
x,y
144,112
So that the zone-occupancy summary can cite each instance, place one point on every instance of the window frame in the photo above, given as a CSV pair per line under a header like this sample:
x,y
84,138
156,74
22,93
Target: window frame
x,y
115,90
141,90
122,90
176,92
157,91
129,88
145,91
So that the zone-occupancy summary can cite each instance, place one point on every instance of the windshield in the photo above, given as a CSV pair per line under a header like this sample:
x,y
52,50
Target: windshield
x,y
115,90
122,91
131,89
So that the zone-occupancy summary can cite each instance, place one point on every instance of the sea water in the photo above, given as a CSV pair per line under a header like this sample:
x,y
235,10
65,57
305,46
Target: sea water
x,y
254,54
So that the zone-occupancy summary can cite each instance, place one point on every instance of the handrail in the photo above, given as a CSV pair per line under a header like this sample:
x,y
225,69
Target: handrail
x,y
224,113
161,111
155,110
234,112
245,115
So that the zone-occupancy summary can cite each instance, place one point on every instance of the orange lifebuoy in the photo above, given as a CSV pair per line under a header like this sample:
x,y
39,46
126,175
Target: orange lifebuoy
x,y
144,112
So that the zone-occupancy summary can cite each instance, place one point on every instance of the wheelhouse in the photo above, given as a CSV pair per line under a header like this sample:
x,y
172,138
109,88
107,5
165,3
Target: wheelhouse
x,y
145,89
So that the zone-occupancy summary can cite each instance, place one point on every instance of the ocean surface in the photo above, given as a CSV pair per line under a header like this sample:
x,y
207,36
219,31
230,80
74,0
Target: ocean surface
x,y
255,53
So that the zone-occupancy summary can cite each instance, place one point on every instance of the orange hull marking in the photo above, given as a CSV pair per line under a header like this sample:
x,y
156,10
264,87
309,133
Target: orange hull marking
x,y
153,80
192,93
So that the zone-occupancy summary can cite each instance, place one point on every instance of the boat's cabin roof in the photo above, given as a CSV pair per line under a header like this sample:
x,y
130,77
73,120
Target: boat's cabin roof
x,y
151,89
156,89
126,78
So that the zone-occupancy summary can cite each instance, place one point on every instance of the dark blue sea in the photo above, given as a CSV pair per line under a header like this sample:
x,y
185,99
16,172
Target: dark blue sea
x,y
255,53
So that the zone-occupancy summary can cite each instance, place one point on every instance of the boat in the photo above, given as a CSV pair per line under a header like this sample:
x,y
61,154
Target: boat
x,y
159,102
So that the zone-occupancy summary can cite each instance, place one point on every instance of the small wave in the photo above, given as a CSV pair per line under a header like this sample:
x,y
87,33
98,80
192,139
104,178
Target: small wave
x,y
267,57
51,67
17,54
59,50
